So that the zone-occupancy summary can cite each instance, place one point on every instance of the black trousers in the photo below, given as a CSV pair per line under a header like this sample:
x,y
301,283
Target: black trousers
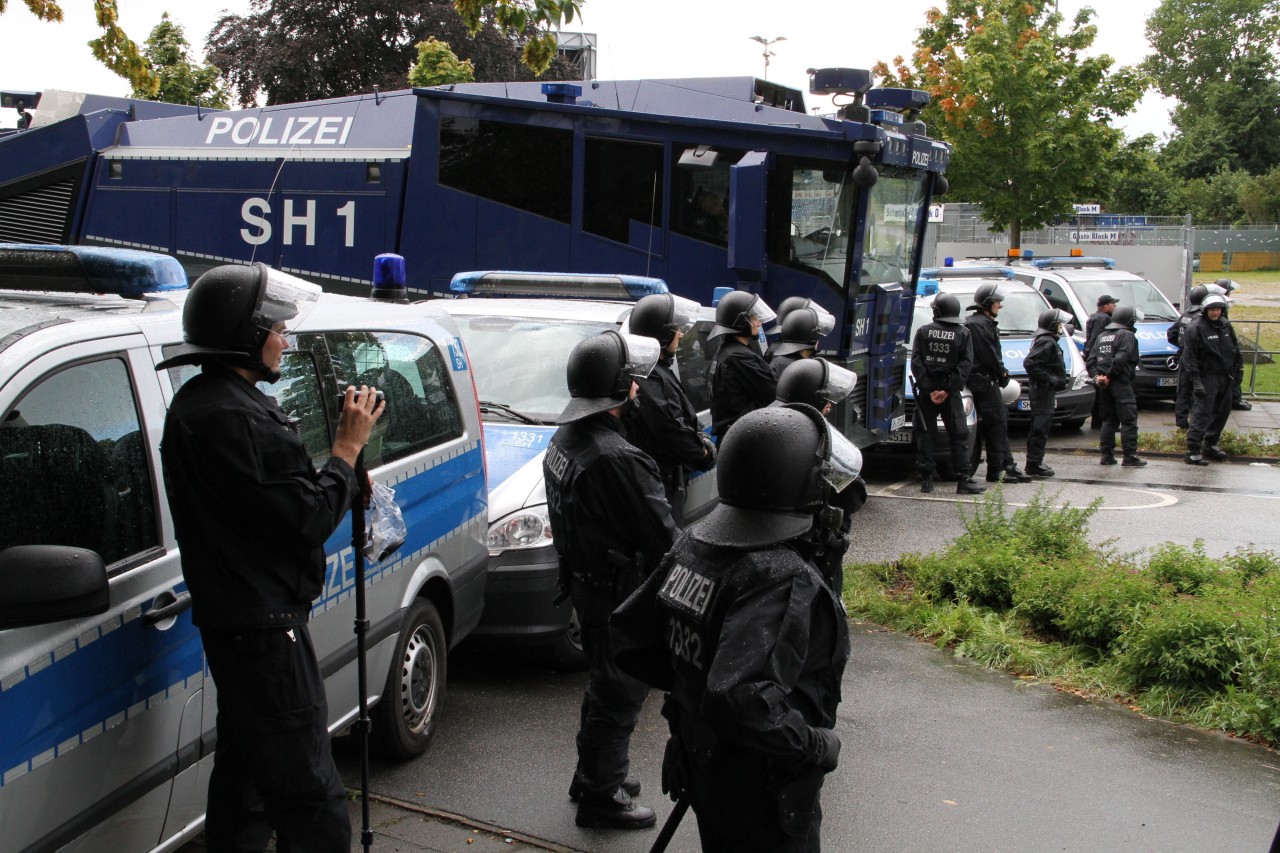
x,y
1119,407
611,703
1182,404
952,413
272,768
993,427
1044,399
1210,412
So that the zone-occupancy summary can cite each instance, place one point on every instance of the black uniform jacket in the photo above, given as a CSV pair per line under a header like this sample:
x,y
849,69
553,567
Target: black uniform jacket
x,y
1045,364
1114,354
779,363
665,425
988,361
751,643
604,494
941,358
741,381
1094,326
250,511
1179,326
1209,347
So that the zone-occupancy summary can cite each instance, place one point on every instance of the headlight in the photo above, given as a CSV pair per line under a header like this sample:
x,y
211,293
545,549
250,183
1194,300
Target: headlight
x,y
528,528
1079,380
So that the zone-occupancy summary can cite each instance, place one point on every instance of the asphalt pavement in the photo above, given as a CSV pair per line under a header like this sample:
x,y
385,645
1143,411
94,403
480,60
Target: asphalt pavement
x,y
939,754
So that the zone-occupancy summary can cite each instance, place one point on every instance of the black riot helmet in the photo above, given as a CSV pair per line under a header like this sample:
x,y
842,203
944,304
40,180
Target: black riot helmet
x,y
1051,318
661,315
775,471
946,309
791,303
814,382
600,370
1124,315
231,309
1214,300
734,313
1197,295
802,329
986,295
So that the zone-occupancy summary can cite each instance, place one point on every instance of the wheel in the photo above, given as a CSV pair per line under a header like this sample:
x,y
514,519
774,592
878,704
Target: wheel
x,y
566,651
405,719
1075,423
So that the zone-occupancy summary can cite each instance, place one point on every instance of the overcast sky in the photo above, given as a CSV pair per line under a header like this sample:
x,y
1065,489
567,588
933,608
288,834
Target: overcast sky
x,y
637,38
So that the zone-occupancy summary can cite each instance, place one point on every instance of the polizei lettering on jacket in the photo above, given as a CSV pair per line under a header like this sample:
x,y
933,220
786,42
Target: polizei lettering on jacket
x,y
687,591
556,463
275,130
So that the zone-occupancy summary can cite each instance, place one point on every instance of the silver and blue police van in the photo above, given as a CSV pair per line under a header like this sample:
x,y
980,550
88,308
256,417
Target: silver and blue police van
x,y
520,328
108,712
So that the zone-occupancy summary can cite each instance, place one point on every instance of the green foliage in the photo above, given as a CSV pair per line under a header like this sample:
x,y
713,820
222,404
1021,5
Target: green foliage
x,y
114,48
1096,611
1256,443
1260,197
517,16
1026,109
1188,642
437,65
181,81
1250,565
1187,570
1039,594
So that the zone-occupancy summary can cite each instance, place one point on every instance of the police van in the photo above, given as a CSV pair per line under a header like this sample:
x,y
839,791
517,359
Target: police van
x,y
108,715
520,328
1074,283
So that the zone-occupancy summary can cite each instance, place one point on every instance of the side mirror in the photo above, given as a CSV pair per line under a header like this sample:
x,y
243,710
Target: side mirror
x,y
40,584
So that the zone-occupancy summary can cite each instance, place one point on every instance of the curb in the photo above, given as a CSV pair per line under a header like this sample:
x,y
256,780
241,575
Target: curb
x,y
1162,454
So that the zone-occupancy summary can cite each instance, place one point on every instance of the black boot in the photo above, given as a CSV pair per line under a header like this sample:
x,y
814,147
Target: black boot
x,y
1133,462
614,812
1214,452
969,486
1196,459
1013,475
1039,470
926,485
630,784
1108,458
1242,406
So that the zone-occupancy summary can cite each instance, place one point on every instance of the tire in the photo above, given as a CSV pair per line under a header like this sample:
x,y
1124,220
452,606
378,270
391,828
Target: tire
x,y
566,652
405,718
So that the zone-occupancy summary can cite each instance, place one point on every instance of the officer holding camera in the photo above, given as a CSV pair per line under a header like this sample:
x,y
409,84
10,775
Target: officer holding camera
x,y
251,514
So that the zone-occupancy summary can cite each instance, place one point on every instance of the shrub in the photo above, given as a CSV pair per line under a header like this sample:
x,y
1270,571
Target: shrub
x,y
1186,569
1104,605
1038,595
1249,564
1050,533
986,577
1190,642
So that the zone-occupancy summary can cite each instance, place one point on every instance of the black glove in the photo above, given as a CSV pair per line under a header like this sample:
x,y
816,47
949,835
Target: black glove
x,y
1004,379
1197,389
1062,385
708,461
827,750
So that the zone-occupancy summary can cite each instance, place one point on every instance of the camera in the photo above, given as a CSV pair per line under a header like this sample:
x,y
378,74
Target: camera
x,y
377,393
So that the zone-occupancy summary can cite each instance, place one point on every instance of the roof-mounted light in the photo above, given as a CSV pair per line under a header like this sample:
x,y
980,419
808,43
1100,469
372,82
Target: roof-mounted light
x,y
967,272
557,285
1069,261
927,286
389,278
88,269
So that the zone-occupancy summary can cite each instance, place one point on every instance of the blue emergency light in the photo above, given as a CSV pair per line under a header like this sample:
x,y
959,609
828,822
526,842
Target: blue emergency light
x,y
949,271
562,285
389,278
927,286
1065,261
88,269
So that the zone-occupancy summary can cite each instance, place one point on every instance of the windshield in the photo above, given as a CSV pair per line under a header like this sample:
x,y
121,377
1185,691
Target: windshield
x,y
1139,293
821,209
1020,313
520,362
893,223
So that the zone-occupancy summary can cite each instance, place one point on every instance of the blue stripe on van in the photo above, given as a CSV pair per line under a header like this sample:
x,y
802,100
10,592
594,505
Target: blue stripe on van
x,y
1152,340
509,447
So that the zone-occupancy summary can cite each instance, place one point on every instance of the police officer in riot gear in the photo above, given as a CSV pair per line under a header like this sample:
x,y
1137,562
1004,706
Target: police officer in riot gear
x,y
1112,362
663,422
819,383
1093,327
251,515
791,303
1047,374
801,332
986,379
740,377
749,640
941,358
1209,358
611,525
1196,296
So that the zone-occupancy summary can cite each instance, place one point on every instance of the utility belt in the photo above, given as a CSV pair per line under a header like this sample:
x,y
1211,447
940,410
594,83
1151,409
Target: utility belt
x,y
673,478
618,575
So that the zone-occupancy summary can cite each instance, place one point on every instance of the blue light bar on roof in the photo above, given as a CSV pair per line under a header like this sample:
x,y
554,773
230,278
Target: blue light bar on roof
x,y
927,286
88,269
967,272
559,285
1050,263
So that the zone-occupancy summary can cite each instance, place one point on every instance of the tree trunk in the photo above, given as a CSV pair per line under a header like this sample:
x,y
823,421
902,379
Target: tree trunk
x,y
1015,234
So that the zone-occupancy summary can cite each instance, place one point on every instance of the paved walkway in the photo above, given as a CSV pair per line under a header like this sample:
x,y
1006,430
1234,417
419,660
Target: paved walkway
x,y
1264,416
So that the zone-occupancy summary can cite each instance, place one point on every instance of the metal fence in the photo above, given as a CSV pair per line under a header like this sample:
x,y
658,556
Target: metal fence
x,y
1257,347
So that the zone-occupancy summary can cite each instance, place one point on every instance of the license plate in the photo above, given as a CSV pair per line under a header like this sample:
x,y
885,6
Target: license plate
x,y
1024,405
900,437
1167,382
898,423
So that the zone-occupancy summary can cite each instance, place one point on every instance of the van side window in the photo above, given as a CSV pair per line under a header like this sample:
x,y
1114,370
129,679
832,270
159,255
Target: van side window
x,y
299,394
422,410
74,467
491,159
1058,299
622,191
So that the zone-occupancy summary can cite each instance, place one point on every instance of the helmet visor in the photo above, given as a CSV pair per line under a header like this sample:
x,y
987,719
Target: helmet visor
x,y
844,460
762,312
642,354
826,320
285,299
684,313
839,383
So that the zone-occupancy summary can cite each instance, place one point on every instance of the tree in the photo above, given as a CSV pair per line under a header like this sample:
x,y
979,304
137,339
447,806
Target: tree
x,y
1260,197
114,49
1215,199
180,80
517,16
1028,114
328,48
1141,186
437,65
1198,43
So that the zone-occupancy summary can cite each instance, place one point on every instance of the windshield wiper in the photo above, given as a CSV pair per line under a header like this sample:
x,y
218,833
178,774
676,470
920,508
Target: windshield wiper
x,y
1007,332
489,408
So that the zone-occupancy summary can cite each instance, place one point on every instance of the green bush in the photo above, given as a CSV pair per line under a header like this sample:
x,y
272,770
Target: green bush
x,y
1039,594
1249,564
1186,569
1050,533
1104,605
1189,642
